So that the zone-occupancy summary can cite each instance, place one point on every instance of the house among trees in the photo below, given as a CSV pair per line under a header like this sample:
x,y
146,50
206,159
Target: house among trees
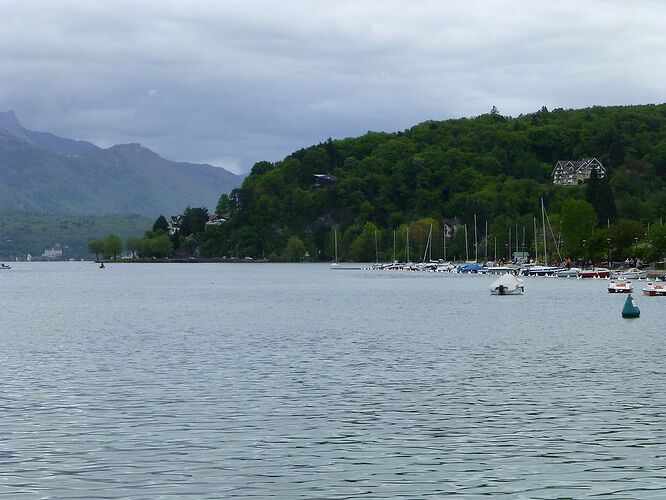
x,y
323,180
215,220
174,224
572,172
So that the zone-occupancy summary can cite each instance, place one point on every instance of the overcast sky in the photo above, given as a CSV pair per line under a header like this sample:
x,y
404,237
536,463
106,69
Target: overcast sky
x,y
235,82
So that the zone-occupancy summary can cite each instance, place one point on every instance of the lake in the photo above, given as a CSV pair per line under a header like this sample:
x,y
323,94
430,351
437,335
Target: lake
x,y
298,381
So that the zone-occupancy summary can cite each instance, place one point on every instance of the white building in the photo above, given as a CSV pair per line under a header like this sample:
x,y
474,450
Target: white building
x,y
572,172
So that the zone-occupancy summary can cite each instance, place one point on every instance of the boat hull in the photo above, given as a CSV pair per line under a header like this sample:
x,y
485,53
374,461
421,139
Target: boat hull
x,y
594,273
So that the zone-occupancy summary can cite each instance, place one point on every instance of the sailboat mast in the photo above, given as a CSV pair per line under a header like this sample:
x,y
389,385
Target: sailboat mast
x,y
376,249
444,233
543,221
335,236
516,233
536,247
509,256
407,249
466,249
476,242
495,250
430,246
485,244
394,246
428,243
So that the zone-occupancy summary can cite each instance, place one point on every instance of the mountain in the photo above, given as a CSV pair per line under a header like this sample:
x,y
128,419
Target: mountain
x,y
42,172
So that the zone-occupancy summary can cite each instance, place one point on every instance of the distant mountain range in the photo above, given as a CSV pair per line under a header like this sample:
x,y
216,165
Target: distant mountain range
x,y
42,172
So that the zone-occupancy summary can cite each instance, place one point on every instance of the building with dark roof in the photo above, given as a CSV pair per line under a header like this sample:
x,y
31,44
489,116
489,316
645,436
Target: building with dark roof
x,y
572,172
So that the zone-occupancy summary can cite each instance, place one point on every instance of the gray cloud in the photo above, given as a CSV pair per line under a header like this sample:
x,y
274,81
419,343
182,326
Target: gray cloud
x,y
235,82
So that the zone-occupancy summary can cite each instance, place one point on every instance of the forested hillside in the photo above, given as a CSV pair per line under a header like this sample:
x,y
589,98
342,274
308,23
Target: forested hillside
x,y
495,167
27,232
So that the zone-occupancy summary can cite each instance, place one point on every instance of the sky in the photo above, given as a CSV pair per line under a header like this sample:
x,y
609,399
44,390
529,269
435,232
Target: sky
x,y
235,82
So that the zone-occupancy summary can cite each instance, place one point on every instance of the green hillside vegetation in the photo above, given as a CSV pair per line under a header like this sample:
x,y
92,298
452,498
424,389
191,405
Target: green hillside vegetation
x,y
493,166
497,168
27,232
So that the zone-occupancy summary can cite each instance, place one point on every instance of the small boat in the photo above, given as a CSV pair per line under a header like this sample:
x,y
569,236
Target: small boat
x,y
5,266
630,274
507,284
500,269
471,267
597,272
654,290
531,270
101,266
568,273
630,309
620,287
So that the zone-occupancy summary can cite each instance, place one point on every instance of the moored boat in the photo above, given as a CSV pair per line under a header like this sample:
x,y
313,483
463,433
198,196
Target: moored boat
x,y
531,270
654,289
620,287
630,274
568,273
507,284
597,272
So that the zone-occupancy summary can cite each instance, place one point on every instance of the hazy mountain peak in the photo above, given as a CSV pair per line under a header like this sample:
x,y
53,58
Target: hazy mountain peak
x,y
43,172
8,120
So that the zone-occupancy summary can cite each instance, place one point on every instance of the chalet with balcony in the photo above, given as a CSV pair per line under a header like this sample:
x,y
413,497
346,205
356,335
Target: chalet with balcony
x,y
573,172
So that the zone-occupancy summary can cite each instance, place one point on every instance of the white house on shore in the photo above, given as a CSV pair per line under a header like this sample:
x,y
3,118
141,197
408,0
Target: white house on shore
x,y
572,172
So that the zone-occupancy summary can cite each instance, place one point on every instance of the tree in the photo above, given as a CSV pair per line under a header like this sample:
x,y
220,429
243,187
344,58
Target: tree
x,y
96,247
161,224
190,244
362,249
194,221
657,238
578,220
112,246
133,244
600,196
223,207
295,250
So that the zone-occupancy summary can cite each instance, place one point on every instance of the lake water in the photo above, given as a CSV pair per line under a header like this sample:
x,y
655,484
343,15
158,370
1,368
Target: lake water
x,y
297,381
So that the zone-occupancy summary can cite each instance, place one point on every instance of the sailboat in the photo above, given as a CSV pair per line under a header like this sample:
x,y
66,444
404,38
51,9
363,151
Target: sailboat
x,y
335,242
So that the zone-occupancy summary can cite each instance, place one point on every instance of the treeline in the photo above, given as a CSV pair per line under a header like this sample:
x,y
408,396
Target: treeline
x,y
491,167
25,233
184,240
495,167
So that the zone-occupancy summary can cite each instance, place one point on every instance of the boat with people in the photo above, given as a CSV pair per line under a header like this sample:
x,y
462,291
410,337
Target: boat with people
x,y
597,272
507,284
654,290
5,266
620,286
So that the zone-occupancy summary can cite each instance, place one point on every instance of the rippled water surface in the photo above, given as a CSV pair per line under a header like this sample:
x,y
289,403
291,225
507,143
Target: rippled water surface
x,y
296,381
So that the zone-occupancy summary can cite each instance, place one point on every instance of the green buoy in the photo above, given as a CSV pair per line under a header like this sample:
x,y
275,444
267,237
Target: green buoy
x,y
630,309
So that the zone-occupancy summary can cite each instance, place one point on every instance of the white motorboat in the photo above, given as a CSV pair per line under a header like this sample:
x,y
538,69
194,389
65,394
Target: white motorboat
x,y
507,284
629,274
568,273
531,270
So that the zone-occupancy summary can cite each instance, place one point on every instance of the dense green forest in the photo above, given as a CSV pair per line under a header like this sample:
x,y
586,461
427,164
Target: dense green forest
x,y
495,167
28,232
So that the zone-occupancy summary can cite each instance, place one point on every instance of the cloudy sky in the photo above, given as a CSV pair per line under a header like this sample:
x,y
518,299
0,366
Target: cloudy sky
x,y
234,82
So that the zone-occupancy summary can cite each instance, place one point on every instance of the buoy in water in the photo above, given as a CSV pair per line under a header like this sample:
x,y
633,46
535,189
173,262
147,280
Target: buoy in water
x,y
630,309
